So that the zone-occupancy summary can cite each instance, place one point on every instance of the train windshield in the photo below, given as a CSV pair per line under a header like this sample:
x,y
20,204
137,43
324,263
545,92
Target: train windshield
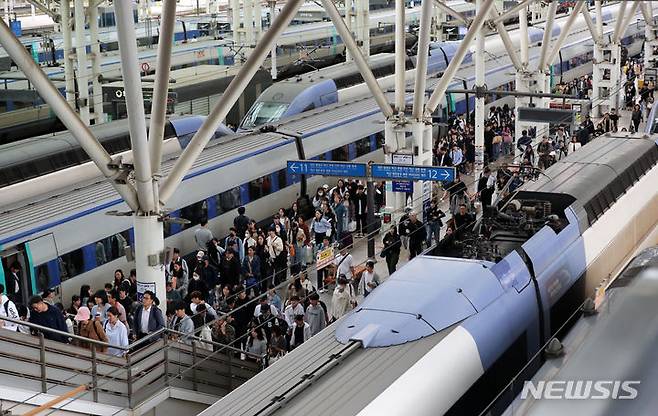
x,y
262,113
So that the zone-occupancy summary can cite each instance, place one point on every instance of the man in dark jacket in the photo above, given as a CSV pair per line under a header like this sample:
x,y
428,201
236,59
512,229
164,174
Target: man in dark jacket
x,y
148,318
417,234
229,269
392,247
360,201
524,141
48,316
241,222
208,273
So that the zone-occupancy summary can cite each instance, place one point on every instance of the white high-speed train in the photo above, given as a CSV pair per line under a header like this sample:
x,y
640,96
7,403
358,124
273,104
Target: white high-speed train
x,y
41,230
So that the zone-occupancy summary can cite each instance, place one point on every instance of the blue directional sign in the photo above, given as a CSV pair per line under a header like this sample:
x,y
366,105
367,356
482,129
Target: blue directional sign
x,y
313,167
413,172
402,186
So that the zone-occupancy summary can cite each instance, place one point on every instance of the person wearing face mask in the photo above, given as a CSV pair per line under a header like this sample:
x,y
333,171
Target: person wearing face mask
x,y
196,284
319,227
343,299
318,198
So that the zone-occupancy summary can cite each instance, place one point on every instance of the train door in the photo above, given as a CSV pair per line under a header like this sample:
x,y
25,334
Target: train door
x,y
16,274
26,268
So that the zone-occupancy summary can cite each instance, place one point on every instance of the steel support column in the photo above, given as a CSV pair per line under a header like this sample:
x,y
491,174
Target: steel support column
x,y
479,99
626,22
422,58
621,13
161,86
228,99
359,59
523,34
599,18
400,55
363,26
606,78
69,76
135,104
590,24
564,32
149,244
348,22
546,40
81,55
507,42
452,12
522,7
457,59
650,43
97,89
532,82
274,69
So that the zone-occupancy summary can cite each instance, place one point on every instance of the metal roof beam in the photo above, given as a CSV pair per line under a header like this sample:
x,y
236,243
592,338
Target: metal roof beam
x,y
227,100
161,86
357,56
452,12
507,40
566,29
422,58
546,40
627,21
64,112
590,25
456,61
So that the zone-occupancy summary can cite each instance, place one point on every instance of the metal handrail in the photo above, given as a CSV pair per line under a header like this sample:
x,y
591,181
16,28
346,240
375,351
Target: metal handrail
x,y
215,343
131,346
62,333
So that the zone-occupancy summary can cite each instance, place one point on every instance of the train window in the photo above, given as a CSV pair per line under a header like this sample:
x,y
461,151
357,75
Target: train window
x,y
195,213
363,146
111,248
44,165
228,200
282,178
260,187
71,264
340,154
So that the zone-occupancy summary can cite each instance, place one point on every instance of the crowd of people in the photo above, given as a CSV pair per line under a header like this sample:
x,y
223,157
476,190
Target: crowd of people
x,y
254,289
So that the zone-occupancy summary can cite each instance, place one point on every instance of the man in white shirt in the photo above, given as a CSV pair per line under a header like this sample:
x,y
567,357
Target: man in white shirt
x,y
369,279
293,309
196,301
574,144
344,264
264,302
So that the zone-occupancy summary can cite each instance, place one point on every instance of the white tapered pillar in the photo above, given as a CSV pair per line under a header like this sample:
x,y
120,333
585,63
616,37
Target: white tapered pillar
x,y
149,244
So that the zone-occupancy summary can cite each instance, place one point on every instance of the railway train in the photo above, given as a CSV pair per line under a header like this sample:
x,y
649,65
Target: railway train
x,y
301,48
443,335
624,321
316,89
40,230
28,161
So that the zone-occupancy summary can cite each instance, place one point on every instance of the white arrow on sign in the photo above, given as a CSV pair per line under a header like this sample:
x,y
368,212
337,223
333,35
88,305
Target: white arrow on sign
x,y
293,167
446,174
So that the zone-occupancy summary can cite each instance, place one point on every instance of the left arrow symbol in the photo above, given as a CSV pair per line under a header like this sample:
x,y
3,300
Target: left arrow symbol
x,y
293,167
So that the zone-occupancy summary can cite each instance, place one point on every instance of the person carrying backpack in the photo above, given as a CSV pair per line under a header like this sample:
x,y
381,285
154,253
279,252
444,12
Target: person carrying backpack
x,y
9,310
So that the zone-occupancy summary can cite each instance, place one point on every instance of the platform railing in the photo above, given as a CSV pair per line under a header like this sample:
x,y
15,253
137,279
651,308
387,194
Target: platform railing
x,y
37,364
